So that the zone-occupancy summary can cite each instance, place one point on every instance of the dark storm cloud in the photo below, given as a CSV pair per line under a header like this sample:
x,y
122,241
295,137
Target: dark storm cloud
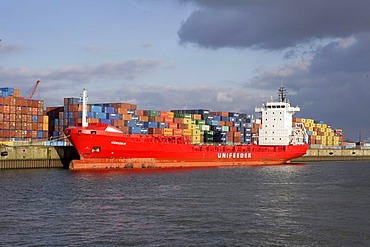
x,y
268,24
350,55
332,87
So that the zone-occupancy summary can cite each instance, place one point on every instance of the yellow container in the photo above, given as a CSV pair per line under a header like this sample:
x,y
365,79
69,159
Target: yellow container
x,y
195,139
167,131
195,133
187,132
192,126
45,119
186,120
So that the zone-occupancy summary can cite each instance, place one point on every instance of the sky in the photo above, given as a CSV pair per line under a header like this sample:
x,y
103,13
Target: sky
x,y
221,55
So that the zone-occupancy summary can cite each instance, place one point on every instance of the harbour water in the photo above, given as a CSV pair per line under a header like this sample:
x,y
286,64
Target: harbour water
x,y
312,204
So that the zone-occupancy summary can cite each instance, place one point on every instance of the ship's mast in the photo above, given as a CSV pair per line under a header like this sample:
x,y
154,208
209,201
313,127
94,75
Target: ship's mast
x,y
282,95
84,100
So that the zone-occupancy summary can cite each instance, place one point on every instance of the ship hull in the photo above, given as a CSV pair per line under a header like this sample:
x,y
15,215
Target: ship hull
x,y
99,149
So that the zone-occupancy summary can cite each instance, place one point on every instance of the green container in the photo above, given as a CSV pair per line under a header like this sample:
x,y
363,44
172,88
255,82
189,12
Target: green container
x,y
225,128
152,113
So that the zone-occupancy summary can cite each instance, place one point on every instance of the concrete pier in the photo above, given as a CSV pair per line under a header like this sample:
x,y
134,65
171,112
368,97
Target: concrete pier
x,y
334,155
25,157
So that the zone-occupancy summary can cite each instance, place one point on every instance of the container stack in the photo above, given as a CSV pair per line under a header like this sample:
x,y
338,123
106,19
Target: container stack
x,y
320,133
198,126
21,119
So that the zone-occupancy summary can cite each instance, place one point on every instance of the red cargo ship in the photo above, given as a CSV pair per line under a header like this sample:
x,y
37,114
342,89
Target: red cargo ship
x,y
102,146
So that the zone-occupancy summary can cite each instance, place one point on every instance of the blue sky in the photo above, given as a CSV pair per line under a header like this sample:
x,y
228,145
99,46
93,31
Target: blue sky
x,y
176,54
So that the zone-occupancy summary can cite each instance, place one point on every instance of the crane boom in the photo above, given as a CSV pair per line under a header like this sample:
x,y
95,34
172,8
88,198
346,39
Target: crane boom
x,y
33,90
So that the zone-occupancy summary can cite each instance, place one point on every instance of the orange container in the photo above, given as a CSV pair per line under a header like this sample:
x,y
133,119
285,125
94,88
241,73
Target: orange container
x,y
178,132
168,120
173,125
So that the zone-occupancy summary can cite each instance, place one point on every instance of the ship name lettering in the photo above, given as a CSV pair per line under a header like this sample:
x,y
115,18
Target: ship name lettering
x,y
234,155
118,143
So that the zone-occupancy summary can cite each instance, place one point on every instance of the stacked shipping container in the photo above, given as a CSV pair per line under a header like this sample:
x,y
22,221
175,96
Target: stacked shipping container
x,y
199,126
20,118
320,133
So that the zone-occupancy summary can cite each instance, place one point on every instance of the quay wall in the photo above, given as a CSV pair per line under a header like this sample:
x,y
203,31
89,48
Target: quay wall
x,y
25,157
334,155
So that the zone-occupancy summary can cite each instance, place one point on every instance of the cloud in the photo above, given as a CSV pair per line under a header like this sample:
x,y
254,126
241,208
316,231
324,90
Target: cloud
x,y
127,70
347,55
272,25
10,48
223,97
162,97
64,80
332,86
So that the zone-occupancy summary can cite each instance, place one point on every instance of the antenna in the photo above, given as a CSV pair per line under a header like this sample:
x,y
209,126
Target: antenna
x,y
282,94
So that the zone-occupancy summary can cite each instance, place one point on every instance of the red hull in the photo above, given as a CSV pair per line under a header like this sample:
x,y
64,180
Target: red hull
x,y
101,149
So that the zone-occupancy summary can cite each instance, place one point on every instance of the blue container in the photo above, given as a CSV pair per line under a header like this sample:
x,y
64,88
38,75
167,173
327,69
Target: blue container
x,y
144,131
214,123
105,121
162,125
150,125
89,114
232,119
216,128
34,119
217,118
96,108
7,91
55,133
130,123
100,115
39,134
112,116
108,110
134,130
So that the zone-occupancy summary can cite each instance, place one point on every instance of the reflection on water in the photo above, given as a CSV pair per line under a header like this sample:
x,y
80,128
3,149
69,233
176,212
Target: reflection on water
x,y
312,204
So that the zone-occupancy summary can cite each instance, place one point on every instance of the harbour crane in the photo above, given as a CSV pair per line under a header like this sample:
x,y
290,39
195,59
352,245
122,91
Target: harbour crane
x,y
33,90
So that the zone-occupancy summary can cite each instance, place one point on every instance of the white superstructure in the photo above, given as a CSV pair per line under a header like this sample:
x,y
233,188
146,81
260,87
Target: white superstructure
x,y
276,127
